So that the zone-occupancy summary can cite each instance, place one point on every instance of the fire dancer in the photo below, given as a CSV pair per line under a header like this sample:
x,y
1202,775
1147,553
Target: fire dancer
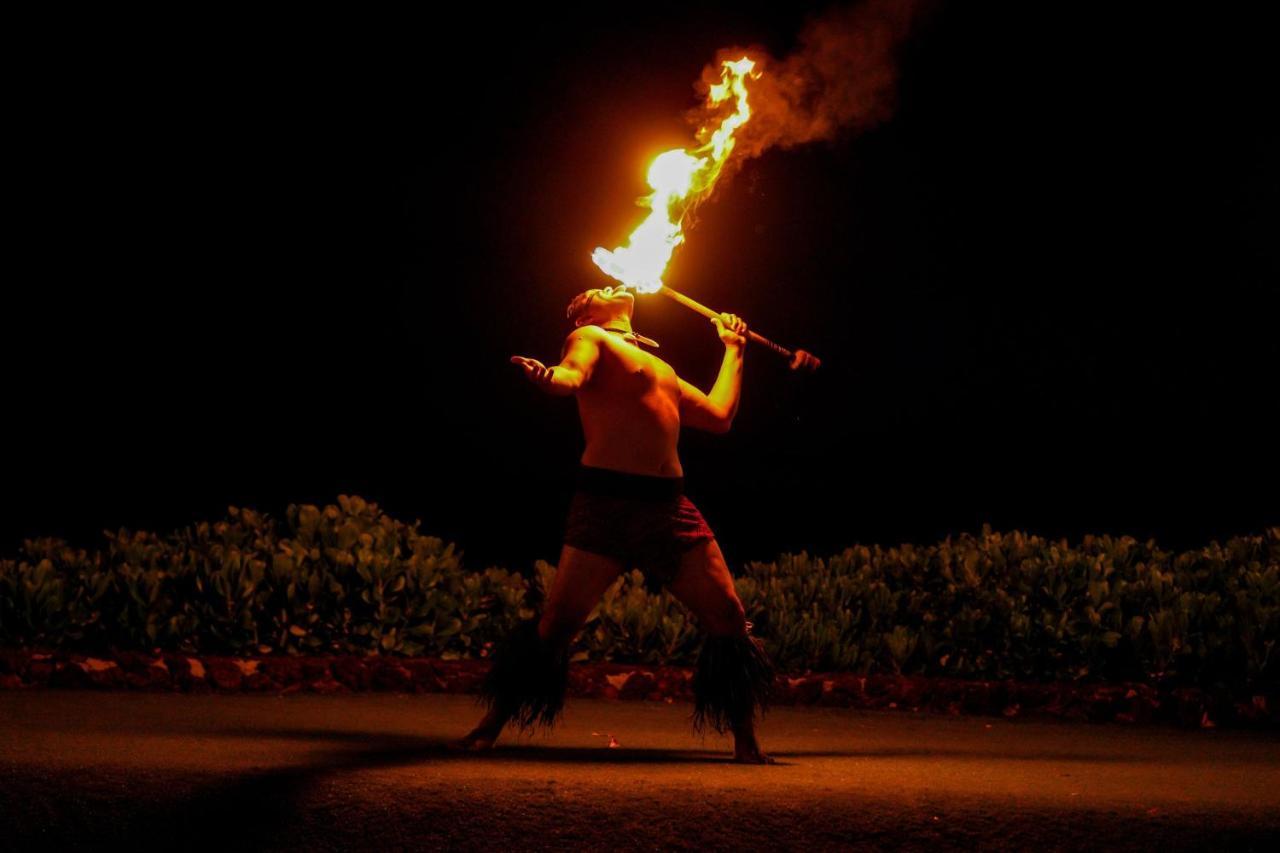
x,y
630,510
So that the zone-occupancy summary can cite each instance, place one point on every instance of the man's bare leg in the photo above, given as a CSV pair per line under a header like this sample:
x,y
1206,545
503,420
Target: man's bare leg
x,y
581,578
704,585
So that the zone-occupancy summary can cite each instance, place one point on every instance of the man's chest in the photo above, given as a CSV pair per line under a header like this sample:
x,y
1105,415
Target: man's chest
x,y
631,369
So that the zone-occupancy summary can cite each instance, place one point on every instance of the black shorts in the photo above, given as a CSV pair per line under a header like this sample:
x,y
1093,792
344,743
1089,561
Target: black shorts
x,y
645,522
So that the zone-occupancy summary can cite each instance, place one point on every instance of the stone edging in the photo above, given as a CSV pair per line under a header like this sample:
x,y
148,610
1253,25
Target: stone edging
x,y
1123,703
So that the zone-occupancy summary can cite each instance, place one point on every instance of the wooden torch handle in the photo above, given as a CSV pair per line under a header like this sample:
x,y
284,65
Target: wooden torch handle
x,y
809,361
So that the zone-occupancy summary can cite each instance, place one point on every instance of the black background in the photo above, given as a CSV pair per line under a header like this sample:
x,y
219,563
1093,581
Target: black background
x,y
261,261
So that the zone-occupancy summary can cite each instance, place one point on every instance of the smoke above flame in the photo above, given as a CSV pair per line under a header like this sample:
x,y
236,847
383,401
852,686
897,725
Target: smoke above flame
x,y
842,77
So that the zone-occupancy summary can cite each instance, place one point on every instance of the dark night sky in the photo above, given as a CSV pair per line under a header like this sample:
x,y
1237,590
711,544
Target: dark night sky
x,y
263,261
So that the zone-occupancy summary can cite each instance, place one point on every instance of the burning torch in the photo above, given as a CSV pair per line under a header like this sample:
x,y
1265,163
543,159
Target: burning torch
x,y
679,179
800,360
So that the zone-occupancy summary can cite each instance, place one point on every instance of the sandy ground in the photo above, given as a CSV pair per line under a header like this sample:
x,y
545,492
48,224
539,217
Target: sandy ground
x,y
369,771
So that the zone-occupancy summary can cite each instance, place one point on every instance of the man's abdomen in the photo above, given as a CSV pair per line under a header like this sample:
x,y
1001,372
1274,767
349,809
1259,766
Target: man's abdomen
x,y
638,439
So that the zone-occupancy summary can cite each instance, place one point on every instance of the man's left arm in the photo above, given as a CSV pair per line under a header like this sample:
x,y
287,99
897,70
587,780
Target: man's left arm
x,y
714,412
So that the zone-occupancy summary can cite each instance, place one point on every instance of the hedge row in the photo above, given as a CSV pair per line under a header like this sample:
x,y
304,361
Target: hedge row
x,y
349,579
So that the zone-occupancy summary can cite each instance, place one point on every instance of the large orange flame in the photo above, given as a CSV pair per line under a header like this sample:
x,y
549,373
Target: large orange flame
x,y
679,178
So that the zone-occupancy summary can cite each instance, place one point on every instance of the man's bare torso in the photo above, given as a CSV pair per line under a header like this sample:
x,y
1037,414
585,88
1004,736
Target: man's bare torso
x,y
630,411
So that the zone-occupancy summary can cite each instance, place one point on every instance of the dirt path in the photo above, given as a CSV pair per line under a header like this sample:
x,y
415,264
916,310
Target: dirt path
x,y
336,772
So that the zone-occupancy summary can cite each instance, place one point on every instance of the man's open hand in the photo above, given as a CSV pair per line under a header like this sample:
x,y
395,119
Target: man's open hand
x,y
732,329
537,372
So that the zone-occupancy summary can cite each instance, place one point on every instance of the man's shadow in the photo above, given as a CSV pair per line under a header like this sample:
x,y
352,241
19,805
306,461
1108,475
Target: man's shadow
x,y
257,806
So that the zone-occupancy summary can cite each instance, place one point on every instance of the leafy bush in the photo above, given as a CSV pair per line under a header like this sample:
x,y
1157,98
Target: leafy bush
x,y
1014,606
345,578
349,578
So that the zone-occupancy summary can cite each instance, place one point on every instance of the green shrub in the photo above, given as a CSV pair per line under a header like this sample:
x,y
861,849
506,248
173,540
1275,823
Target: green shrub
x,y
1017,606
351,579
346,578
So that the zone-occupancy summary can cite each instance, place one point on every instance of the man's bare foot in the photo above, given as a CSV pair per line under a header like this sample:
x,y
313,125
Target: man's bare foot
x,y
752,755
480,738
746,749
475,740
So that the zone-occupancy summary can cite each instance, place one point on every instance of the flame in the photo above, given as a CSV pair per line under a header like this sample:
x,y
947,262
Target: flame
x,y
679,179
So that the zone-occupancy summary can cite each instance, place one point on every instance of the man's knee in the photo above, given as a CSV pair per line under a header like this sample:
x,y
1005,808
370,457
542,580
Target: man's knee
x,y
726,619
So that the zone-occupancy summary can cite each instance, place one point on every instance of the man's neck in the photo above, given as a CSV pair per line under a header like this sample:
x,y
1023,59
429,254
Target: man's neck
x,y
621,326
617,324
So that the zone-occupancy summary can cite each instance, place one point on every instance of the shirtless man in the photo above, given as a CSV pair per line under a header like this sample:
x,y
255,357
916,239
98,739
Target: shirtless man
x,y
630,511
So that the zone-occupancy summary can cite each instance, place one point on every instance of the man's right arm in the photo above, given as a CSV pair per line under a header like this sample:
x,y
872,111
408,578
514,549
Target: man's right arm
x,y
580,354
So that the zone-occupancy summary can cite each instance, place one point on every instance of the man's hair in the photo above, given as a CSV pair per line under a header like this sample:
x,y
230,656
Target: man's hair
x,y
579,303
